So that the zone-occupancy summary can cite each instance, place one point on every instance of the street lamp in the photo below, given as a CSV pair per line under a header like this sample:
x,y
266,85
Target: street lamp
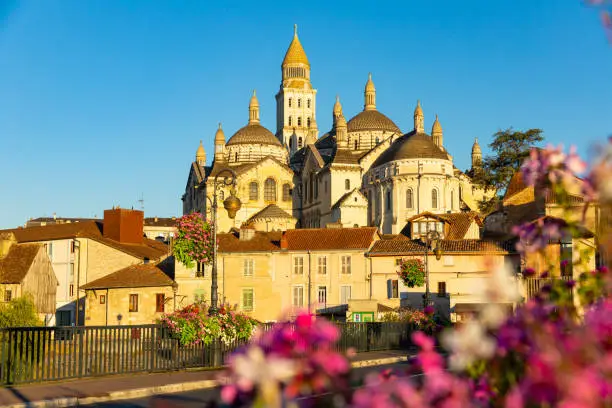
x,y
225,177
430,237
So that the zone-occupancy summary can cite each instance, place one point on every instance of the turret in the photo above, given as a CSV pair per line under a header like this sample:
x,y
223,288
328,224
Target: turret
x,y
436,133
337,110
369,95
476,155
201,155
341,132
219,143
419,120
254,110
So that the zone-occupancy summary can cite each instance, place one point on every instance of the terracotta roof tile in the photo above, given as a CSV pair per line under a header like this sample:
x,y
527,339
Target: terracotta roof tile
x,y
16,264
149,248
330,238
401,247
270,211
160,222
261,241
135,276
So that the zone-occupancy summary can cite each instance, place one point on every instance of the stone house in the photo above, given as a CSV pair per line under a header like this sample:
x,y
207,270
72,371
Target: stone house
x,y
81,252
25,270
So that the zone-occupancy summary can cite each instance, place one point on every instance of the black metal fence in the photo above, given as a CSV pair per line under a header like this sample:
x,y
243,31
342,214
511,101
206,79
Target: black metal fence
x,y
37,354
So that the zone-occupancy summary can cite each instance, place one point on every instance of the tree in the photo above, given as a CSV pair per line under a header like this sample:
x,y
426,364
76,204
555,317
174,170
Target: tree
x,y
20,312
510,148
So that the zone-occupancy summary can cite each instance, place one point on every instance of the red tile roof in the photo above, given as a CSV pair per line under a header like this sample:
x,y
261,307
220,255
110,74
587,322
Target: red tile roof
x,y
261,241
330,238
399,247
135,276
149,248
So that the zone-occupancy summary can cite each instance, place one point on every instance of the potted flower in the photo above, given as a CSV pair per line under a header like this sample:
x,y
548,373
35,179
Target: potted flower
x,y
194,240
412,272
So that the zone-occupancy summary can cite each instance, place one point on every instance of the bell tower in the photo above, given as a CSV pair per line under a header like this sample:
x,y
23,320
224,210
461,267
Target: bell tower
x,y
296,100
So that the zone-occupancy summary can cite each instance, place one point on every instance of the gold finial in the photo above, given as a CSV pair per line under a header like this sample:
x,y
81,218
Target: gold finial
x,y
295,30
254,109
200,153
220,127
418,110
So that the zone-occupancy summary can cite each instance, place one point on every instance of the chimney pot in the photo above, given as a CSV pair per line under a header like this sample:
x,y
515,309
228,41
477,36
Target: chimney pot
x,y
283,241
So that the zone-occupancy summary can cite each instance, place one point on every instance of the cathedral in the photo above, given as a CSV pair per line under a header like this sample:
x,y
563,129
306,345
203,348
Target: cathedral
x,y
363,172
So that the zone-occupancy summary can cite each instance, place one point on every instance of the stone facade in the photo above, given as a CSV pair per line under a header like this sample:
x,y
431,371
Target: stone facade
x,y
367,153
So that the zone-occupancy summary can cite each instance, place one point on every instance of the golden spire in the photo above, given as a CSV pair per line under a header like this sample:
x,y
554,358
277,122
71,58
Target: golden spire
x,y
419,121
295,54
370,94
476,154
201,154
337,110
254,109
220,136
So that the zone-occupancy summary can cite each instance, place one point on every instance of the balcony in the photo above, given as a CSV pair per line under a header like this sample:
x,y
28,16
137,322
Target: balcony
x,y
533,285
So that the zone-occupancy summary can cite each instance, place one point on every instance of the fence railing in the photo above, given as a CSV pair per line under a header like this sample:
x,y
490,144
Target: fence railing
x,y
38,354
534,285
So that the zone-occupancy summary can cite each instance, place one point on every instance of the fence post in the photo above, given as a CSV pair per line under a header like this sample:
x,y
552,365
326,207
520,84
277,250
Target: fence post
x,y
368,335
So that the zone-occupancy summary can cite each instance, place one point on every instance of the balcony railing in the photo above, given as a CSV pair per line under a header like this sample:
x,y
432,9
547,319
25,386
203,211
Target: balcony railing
x,y
534,285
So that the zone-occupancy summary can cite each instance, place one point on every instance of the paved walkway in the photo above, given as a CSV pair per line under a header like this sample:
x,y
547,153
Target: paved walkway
x,y
92,390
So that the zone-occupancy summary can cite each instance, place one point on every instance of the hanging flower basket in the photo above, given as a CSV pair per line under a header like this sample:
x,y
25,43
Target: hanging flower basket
x,y
194,240
412,272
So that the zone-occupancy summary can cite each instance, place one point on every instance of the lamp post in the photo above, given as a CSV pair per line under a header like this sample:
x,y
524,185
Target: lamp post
x,y
430,237
225,177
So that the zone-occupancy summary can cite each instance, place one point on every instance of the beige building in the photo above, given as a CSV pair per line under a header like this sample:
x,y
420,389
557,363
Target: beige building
x,y
271,274
364,172
81,252
25,270
159,228
520,205
137,294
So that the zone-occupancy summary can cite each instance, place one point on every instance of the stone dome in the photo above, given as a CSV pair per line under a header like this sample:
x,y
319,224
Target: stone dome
x,y
412,145
372,120
253,133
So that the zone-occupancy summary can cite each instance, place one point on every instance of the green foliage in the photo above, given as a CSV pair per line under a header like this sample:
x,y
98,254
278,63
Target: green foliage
x,y
510,148
412,272
19,312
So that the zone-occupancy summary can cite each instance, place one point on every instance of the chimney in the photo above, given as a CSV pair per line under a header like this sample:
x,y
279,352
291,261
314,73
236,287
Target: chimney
x,y
123,225
283,241
246,234
7,239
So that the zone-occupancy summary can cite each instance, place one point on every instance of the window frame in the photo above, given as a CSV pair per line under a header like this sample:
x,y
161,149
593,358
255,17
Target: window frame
x,y
253,191
270,190
243,306
160,306
443,292
299,290
435,201
248,268
102,299
8,295
298,264
322,265
409,199
346,262
133,303
350,294
347,184
287,192
324,292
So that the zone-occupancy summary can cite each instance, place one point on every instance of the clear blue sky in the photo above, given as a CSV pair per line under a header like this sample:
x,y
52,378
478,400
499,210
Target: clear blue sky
x,y
102,101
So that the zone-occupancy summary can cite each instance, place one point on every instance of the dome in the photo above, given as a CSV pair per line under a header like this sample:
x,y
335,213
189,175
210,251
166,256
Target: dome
x,y
253,133
372,120
295,54
411,146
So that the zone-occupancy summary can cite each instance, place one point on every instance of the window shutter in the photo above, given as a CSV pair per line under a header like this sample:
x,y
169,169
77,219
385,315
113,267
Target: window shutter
x,y
389,288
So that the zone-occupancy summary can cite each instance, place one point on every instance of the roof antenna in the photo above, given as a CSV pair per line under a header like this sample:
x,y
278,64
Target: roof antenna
x,y
141,201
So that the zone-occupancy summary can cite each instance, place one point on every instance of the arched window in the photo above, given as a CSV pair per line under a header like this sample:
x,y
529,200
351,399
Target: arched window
x,y
452,200
389,201
299,121
377,140
299,103
308,104
290,121
308,121
236,156
409,198
347,184
434,198
286,192
270,190
253,191
290,100
300,142
356,144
